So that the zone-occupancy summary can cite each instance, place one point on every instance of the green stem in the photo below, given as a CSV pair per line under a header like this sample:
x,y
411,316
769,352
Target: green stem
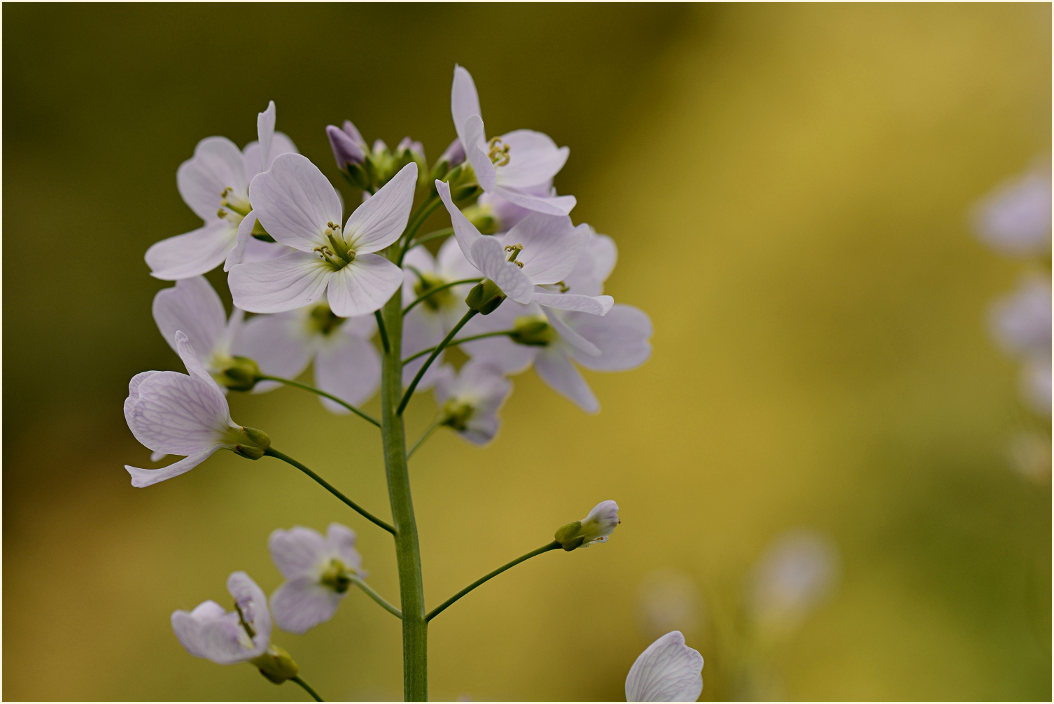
x,y
416,220
490,575
271,452
307,688
435,353
376,597
289,382
407,546
445,232
425,435
381,329
437,289
455,343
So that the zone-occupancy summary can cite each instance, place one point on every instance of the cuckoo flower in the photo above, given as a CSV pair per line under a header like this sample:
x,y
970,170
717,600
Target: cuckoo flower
x,y
300,209
512,166
227,637
181,414
318,572
1015,219
667,671
346,361
529,262
194,307
215,183
470,400
596,527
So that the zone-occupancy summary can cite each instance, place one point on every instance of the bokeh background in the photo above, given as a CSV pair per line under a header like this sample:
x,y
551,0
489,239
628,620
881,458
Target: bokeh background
x,y
790,189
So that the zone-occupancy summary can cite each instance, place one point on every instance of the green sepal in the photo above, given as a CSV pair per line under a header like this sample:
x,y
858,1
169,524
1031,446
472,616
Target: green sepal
x,y
276,665
570,536
252,443
260,233
485,297
240,375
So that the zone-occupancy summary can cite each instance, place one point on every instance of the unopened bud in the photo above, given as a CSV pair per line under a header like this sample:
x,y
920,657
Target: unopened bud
x,y
251,443
594,528
276,665
348,146
240,375
485,297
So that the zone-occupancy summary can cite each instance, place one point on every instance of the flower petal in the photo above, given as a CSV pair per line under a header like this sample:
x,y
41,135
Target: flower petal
x,y
667,671
279,344
210,632
177,414
464,100
593,305
340,540
560,374
465,232
534,159
252,603
621,336
349,369
292,280
149,477
192,253
216,165
298,551
551,246
380,220
193,307
363,286
550,205
295,202
302,603
489,256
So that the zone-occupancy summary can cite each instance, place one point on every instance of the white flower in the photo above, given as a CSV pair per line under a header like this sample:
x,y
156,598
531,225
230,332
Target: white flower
x,y
471,398
215,183
512,166
1015,219
667,671
194,307
318,572
181,414
346,361
300,209
227,637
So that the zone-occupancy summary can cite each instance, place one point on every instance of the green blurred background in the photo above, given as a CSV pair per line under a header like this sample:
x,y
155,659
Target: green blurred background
x,y
789,188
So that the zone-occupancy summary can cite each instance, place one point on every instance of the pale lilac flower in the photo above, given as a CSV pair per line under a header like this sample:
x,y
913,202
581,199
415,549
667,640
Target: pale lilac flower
x,y
553,341
215,184
513,165
318,572
528,262
794,575
181,414
1015,219
301,210
227,637
1021,323
667,671
596,527
194,307
470,399
346,361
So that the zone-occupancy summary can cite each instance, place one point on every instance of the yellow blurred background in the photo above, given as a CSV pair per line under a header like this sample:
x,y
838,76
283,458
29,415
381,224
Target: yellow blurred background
x,y
789,188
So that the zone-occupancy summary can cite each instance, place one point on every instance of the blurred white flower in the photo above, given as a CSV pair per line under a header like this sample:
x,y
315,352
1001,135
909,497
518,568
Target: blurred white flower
x,y
1015,218
794,575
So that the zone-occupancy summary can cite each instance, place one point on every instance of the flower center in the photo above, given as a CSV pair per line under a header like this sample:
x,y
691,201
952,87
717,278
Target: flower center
x,y
233,207
499,152
336,576
337,254
456,414
324,321
514,251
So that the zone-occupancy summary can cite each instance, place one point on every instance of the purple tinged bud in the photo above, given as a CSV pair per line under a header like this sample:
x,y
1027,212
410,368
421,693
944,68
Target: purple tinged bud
x,y
347,144
454,154
414,147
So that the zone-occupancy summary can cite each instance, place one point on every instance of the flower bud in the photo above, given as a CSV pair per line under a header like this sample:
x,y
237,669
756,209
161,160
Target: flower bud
x,y
453,157
348,146
241,374
594,528
485,297
250,443
276,664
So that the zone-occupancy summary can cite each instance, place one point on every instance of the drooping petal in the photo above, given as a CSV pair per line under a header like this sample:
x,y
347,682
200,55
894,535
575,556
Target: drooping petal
x,y
381,219
195,366
667,671
593,305
216,165
550,205
465,232
177,414
193,253
252,604
279,344
551,246
193,307
350,369
560,374
149,477
489,256
534,159
294,202
568,334
363,286
210,632
293,280
621,336
298,551
302,603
